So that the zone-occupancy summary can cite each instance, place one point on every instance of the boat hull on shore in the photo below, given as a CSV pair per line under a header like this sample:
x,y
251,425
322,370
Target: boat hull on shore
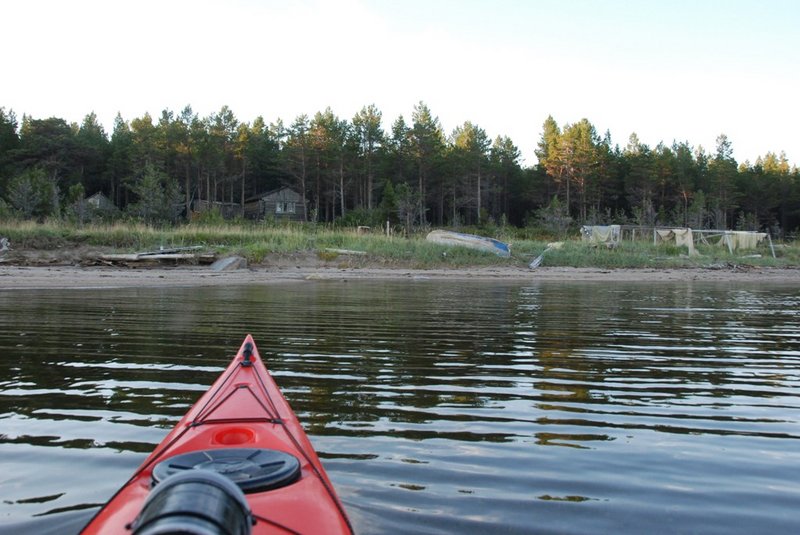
x,y
479,243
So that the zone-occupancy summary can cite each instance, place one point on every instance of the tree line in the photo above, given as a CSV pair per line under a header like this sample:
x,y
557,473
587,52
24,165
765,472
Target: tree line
x,y
353,171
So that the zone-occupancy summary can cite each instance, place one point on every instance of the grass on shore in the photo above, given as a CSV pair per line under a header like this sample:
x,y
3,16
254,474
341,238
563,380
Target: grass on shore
x,y
257,241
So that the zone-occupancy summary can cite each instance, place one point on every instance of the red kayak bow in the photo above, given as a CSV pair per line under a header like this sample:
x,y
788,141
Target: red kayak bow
x,y
243,429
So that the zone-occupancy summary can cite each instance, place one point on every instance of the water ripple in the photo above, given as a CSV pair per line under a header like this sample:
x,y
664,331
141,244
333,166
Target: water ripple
x,y
436,408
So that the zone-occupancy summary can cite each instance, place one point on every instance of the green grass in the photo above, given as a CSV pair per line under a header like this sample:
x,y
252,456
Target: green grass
x,y
644,254
257,241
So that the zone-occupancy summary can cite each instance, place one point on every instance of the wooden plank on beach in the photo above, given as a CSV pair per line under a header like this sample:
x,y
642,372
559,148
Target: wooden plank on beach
x,y
346,251
137,257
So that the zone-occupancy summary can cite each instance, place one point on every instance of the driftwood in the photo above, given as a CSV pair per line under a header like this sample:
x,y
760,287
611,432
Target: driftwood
x,y
346,251
175,255
138,257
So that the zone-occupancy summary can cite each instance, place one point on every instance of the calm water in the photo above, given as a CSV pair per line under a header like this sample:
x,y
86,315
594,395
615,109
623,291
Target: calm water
x,y
436,407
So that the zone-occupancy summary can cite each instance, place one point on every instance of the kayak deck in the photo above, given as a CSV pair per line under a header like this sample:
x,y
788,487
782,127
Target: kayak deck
x,y
244,411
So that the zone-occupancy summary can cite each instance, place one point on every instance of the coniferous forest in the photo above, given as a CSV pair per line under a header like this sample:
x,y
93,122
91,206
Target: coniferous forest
x,y
362,170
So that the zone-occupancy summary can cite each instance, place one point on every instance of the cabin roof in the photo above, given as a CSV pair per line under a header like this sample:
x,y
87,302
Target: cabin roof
x,y
271,193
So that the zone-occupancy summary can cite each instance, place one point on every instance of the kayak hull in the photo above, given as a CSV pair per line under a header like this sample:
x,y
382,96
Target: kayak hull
x,y
243,409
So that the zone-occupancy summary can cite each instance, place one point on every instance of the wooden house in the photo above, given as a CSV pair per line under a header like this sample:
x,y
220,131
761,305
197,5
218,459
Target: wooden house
x,y
93,208
281,204
99,201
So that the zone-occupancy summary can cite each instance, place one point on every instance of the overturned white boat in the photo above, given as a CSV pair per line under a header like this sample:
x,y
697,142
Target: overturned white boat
x,y
489,245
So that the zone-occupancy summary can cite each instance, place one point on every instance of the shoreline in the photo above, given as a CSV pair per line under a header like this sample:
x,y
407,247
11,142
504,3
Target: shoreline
x,y
74,277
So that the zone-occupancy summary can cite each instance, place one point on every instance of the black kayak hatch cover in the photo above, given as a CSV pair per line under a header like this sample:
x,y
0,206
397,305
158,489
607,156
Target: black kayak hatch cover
x,y
252,469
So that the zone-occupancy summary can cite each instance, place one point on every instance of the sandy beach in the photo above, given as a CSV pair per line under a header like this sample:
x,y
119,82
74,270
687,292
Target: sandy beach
x,y
76,277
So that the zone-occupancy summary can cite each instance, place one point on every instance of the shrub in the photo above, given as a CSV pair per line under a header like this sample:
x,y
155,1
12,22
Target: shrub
x,y
33,194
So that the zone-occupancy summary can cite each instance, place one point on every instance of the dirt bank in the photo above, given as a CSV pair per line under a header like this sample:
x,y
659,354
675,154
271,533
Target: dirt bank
x,y
83,267
52,277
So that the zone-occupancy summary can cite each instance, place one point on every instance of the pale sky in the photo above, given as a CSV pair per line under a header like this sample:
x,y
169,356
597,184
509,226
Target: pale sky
x,y
665,69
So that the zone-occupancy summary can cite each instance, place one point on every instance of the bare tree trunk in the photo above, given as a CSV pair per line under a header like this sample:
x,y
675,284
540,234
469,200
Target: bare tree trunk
x,y
369,180
478,213
505,194
454,205
303,182
187,182
341,186
303,194
244,171
319,188
421,195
